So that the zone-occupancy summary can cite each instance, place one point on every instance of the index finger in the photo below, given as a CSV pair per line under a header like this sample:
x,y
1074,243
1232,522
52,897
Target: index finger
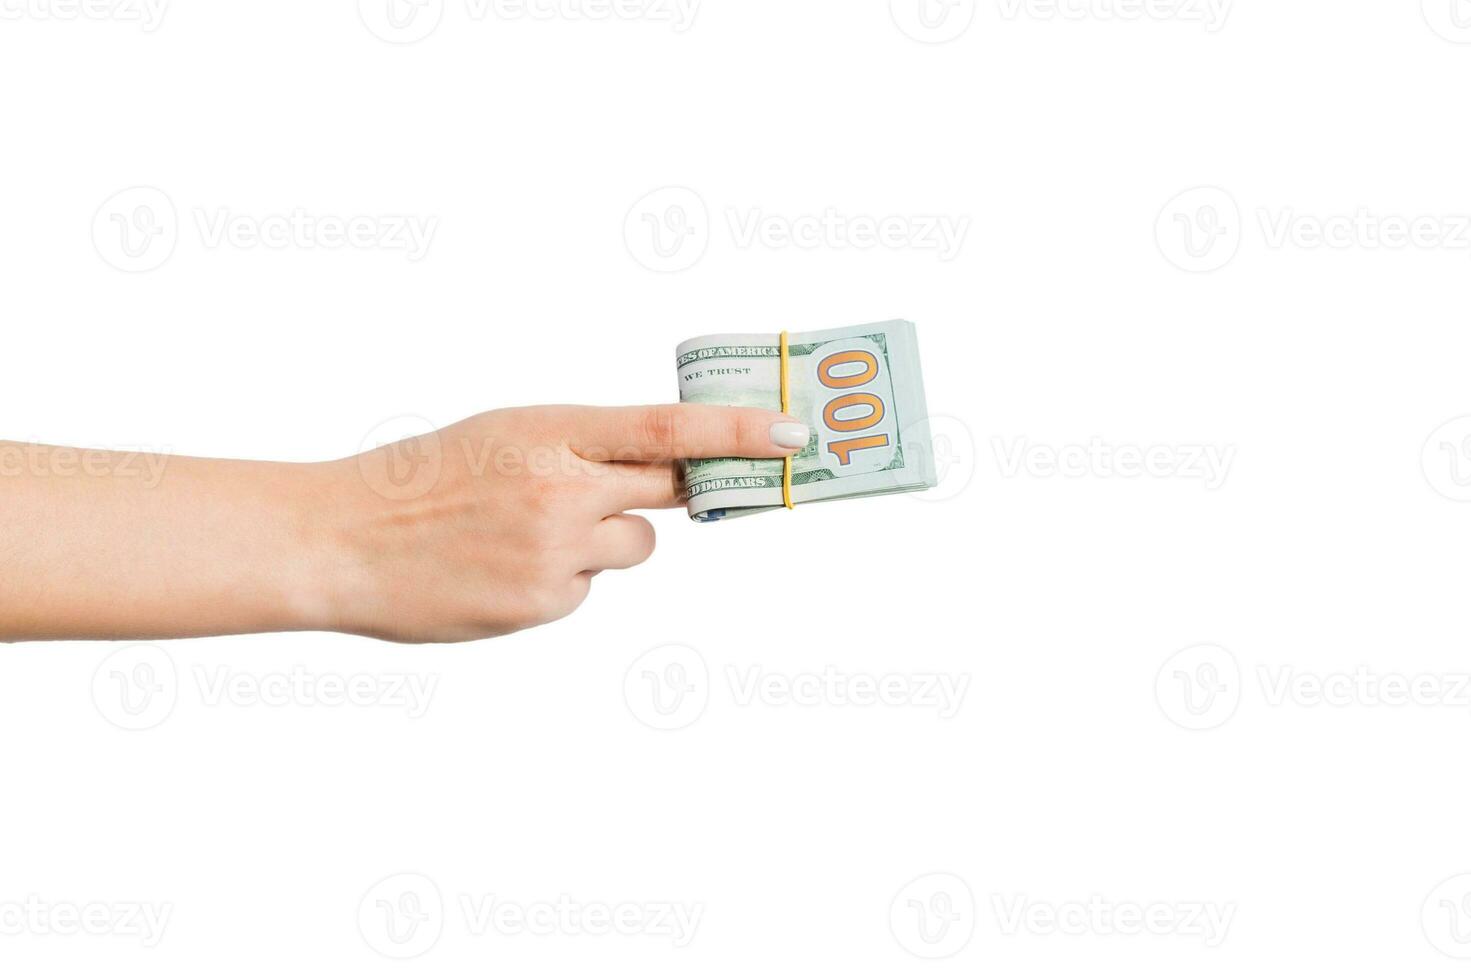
x,y
650,433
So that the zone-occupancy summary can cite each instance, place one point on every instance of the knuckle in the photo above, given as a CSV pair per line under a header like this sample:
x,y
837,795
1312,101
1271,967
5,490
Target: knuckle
x,y
662,428
745,431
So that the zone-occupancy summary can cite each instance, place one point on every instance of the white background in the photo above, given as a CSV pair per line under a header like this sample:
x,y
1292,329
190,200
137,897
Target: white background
x,y
1073,771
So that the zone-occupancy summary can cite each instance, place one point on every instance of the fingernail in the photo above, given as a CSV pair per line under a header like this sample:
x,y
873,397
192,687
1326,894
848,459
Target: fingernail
x,y
790,435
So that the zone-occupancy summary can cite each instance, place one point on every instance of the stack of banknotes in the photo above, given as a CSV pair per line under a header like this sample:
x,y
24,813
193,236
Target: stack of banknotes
x,y
860,391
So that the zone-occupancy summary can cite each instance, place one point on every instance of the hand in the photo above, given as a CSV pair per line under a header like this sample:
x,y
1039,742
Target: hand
x,y
489,526
501,521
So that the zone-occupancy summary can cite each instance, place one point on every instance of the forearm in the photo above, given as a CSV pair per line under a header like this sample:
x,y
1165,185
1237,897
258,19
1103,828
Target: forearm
x,y
98,545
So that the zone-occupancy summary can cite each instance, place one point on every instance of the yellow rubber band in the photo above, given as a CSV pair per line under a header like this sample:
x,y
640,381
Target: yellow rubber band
x,y
786,407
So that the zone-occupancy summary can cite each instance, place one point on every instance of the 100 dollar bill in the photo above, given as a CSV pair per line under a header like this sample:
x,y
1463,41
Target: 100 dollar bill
x,y
860,391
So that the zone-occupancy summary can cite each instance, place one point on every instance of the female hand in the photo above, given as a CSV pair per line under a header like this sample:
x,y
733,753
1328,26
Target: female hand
x,y
491,525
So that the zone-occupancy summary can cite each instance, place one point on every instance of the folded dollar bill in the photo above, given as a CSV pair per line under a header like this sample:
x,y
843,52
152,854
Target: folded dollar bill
x,y
858,388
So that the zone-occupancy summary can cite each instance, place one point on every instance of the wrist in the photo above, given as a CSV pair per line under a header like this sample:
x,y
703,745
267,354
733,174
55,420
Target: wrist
x,y
320,575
